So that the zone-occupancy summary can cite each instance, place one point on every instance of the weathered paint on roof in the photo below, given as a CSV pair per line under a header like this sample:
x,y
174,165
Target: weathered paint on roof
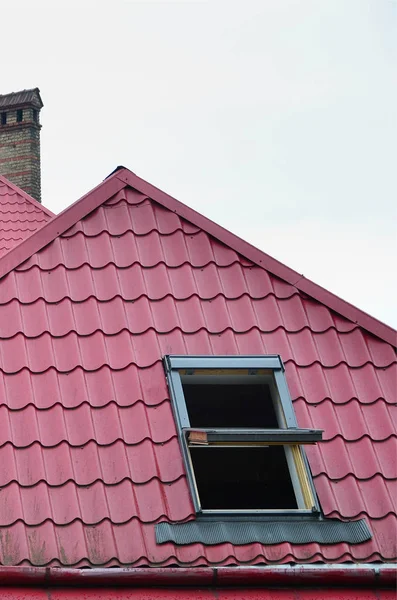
x,y
20,215
89,457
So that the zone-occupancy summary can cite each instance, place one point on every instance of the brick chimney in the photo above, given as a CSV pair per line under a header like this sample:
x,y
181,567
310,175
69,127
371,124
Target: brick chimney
x,y
20,140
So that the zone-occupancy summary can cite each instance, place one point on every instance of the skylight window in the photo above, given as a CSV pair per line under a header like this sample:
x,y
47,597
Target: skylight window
x,y
239,437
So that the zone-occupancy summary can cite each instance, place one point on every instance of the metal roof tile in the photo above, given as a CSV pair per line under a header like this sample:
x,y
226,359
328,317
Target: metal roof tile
x,y
321,318
331,348
84,465
341,383
41,387
131,282
118,218
128,194
82,424
338,458
336,384
351,421
372,384
300,347
375,497
266,314
293,314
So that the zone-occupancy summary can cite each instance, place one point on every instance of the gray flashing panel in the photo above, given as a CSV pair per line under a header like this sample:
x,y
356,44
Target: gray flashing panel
x,y
299,531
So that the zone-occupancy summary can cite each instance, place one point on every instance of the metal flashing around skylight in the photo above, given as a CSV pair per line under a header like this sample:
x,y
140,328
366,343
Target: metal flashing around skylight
x,y
240,532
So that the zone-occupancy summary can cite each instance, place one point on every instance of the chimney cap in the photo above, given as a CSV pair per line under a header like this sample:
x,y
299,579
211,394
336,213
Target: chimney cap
x,y
31,97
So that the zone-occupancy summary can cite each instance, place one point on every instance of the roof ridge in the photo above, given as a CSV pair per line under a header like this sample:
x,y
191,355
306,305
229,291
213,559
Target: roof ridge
x,y
122,178
35,89
26,196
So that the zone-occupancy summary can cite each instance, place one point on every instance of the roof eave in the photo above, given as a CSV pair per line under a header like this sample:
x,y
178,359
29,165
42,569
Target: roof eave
x,y
289,576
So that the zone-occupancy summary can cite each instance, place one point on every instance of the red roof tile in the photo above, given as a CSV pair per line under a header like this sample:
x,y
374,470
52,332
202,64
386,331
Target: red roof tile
x,y
89,457
20,215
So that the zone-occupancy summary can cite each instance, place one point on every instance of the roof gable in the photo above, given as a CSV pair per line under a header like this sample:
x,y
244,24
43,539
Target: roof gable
x,y
122,177
89,457
20,215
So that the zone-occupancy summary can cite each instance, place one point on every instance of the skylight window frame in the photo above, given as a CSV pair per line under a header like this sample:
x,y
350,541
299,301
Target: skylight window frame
x,y
178,366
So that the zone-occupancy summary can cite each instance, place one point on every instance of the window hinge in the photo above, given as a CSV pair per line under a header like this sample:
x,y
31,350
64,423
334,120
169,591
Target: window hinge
x,y
198,438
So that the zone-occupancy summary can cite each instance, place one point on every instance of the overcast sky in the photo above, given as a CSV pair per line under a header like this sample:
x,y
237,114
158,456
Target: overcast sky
x,y
277,119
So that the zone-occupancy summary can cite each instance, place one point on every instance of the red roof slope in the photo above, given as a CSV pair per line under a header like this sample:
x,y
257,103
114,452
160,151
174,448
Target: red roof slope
x,y
20,215
89,456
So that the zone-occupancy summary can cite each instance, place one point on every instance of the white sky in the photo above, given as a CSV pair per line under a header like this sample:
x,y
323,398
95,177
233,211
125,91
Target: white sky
x,y
277,119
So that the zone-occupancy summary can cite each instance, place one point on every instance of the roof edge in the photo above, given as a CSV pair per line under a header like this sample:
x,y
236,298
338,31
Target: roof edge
x,y
345,575
26,196
59,224
260,258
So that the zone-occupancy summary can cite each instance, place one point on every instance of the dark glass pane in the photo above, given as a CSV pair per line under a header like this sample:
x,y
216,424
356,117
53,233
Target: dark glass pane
x,y
243,478
230,405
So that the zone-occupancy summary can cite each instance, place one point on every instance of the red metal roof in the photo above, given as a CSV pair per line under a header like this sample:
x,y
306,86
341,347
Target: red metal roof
x,y
89,458
20,215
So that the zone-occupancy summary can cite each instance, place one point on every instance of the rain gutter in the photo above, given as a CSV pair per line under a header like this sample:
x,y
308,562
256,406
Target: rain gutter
x,y
318,576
